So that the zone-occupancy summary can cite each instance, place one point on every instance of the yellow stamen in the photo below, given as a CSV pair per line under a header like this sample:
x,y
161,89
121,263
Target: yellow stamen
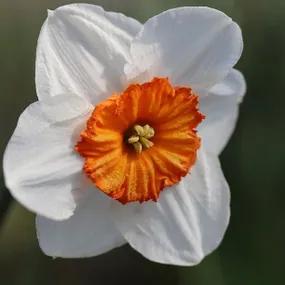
x,y
145,142
149,131
140,137
133,139
138,147
139,130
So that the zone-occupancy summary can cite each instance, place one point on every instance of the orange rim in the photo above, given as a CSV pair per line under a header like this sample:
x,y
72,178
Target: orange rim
x,y
127,171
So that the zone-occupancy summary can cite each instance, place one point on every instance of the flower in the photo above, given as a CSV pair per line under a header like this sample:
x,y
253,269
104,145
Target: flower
x,y
118,113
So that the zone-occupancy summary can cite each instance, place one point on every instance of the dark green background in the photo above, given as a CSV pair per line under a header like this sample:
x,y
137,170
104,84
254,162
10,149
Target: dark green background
x,y
252,252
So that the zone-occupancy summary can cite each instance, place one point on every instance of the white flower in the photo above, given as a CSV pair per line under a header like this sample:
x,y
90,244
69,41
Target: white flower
x,y
84,55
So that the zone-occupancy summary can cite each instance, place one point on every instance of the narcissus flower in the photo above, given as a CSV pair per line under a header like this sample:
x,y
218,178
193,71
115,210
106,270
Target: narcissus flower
x,y
122,145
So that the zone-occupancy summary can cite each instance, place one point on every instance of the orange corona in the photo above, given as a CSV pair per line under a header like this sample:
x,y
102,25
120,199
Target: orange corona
x,y
141,141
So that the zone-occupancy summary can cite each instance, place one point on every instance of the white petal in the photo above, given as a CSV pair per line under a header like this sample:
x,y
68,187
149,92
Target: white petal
x,y
195,46
41,168
221,107
89,232
188,221
82,49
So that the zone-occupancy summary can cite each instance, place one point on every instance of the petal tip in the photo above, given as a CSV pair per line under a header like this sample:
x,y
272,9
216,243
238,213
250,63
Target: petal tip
x,y
50,13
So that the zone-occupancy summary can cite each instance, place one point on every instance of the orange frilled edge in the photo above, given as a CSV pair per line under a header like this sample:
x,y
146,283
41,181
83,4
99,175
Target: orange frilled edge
x,y
113,165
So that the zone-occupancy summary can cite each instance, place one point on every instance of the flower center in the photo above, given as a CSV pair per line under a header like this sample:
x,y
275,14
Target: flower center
x,y
141,141
140,136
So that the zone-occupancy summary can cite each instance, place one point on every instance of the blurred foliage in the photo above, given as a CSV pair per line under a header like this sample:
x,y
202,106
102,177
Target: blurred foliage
x,y
252,252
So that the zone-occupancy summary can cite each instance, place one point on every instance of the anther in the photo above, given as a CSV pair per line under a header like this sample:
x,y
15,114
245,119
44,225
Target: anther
x,y
140,136
133,139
